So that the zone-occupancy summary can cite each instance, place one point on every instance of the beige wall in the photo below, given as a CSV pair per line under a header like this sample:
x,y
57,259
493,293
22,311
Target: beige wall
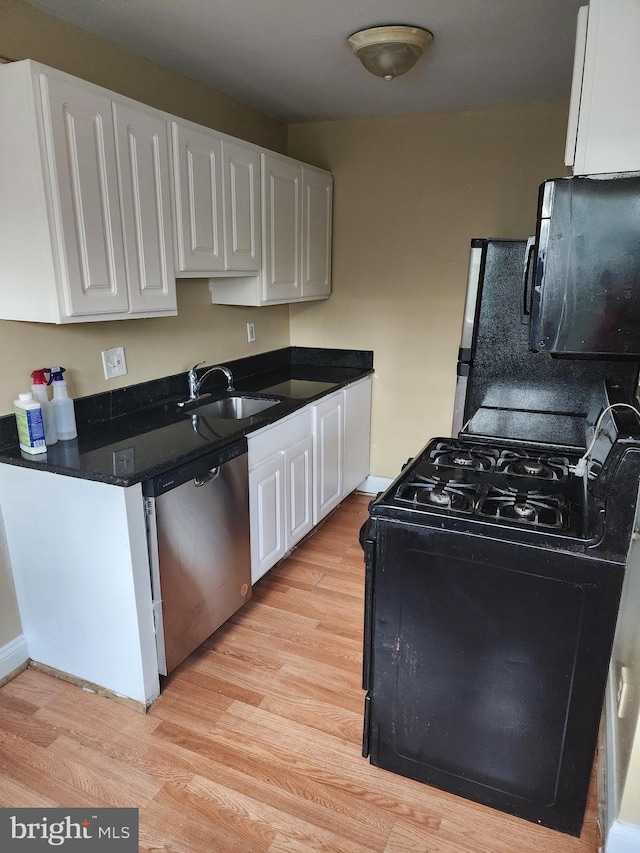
x,y
410,193
153,347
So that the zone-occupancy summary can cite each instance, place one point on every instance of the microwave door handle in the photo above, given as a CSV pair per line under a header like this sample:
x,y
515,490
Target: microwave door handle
x,y
527,290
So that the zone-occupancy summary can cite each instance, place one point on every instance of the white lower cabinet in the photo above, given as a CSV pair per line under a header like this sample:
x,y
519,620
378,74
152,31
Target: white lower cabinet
x,y
341,434
266,509
328,440
357,435
280,489
298,492
302,467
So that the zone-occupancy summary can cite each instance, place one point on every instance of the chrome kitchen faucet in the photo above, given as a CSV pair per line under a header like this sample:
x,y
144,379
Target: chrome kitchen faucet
x,y
195,384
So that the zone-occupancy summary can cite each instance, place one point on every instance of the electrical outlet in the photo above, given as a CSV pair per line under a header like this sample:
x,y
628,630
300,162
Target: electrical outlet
x,y
251,332
114,362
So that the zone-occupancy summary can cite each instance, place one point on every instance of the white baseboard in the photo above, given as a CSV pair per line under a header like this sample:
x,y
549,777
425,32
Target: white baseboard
x,y
373,485
13,655
622,838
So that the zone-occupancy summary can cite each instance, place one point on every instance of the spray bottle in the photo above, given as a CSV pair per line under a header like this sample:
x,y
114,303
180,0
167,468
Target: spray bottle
x,y
62,405
39,390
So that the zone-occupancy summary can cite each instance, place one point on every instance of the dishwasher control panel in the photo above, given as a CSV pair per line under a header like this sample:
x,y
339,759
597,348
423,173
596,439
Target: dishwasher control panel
x,y
194,468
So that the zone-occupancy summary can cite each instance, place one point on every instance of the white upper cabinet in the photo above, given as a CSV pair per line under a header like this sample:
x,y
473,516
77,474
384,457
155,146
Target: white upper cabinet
x,y
317,189
241,182
143,162
197,168
604,120
80,138
106,201
296,238
281,228
85,219
217,201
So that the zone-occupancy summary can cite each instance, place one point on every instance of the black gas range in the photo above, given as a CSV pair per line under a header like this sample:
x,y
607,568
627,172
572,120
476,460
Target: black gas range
x,y
520,487
493,578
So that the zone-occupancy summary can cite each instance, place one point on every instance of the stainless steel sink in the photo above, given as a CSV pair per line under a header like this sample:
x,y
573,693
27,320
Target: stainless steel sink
x,y
235,407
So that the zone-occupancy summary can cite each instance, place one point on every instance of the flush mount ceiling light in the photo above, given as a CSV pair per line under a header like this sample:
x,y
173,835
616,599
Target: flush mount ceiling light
x,y
389,51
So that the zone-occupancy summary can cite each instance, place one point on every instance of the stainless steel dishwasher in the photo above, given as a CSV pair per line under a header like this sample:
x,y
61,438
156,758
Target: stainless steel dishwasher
x,y
198,536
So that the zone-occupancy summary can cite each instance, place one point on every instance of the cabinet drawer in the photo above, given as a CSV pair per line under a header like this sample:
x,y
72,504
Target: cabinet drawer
x,y
278,436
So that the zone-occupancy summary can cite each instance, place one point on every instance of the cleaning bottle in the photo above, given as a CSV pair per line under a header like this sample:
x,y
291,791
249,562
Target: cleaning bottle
x,y
39,390
62,405
30,427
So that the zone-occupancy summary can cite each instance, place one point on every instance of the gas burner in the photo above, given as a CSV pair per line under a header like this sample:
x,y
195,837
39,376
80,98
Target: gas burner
x,y
541,466
437,492
469,457
530,507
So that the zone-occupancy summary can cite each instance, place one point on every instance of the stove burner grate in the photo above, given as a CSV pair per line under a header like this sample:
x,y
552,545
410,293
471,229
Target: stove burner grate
x,y
438,492
454,454
530,508
540,466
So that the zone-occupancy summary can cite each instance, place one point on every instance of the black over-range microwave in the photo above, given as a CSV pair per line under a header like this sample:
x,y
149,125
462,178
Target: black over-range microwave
x,y
582,296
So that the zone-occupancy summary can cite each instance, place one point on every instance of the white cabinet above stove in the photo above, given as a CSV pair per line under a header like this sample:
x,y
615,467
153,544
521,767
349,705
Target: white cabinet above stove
x,y
604,116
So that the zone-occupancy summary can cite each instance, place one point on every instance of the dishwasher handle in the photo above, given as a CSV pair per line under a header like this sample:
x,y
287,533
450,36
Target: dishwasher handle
x,y
213,474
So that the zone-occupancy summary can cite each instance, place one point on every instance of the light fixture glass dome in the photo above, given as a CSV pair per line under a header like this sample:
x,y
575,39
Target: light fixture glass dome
x,y
389,51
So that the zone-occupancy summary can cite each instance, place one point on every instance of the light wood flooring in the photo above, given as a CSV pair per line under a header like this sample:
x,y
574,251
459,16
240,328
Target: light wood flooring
x,y
255,744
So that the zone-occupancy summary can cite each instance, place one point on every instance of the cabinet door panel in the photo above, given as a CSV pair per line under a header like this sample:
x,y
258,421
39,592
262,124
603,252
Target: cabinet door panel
x,y
282,208
241,168
266,505
357,430
84,176
299,492
143,159
316,236
198,179
327,455
608,120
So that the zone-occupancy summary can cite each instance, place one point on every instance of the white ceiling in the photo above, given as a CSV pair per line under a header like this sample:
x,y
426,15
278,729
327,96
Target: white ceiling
x,y
289,59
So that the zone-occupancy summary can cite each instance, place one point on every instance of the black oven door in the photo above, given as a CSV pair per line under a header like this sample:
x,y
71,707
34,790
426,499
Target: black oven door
x,y
487,667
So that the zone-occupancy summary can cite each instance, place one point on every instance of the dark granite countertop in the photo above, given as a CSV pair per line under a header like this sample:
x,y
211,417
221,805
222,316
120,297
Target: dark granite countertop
x,y
133,434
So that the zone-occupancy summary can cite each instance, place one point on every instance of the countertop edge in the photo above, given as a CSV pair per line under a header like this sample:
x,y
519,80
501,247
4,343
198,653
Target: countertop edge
x,y
292,405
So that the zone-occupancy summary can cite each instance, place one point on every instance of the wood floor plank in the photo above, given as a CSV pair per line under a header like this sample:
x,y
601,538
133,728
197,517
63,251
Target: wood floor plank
x,y
12,792
254,744
37,688
19,718
247,771
254,646
264,820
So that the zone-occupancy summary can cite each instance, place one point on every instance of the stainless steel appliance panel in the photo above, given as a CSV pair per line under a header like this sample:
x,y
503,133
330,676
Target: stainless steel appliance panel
x,y
202,531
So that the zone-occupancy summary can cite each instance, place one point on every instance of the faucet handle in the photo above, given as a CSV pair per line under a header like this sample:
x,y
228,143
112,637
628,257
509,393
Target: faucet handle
x,y
195,366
